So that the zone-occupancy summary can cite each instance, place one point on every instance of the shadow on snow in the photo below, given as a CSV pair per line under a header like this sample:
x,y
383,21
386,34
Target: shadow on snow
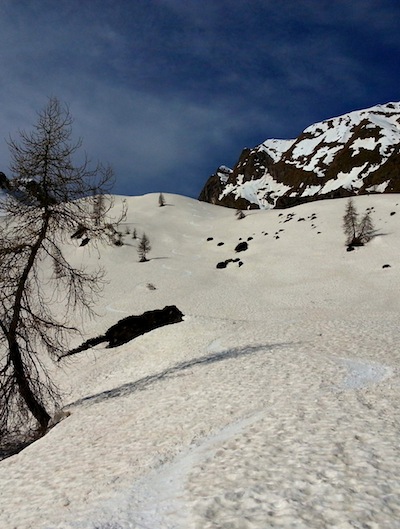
x,y
145,382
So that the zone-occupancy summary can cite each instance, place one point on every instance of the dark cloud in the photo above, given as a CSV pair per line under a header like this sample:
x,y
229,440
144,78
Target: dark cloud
x,y
167,90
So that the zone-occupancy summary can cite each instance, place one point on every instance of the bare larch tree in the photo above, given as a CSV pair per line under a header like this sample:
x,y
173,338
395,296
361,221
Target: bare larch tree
x,y
49,198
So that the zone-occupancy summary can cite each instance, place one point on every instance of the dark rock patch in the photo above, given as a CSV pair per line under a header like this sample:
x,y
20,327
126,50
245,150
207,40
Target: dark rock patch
x,y
241,247
131,327
220,244
224,264
210,238
386,266
289,217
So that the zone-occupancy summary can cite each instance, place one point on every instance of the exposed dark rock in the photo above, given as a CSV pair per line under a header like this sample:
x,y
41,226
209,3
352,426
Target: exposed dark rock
x,y
210,239
386,266
133,326
241,247
224,264
4,183
220,244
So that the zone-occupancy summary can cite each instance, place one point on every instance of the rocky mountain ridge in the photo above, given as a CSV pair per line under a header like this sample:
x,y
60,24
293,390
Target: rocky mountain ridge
x,y
353,154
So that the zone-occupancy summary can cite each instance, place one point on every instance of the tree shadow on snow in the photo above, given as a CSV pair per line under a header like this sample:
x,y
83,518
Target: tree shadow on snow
x,y
171,372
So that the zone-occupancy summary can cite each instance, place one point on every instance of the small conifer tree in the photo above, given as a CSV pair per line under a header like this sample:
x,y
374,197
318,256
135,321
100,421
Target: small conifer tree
x,y
161,200
357,232
366,228
350,222
143,248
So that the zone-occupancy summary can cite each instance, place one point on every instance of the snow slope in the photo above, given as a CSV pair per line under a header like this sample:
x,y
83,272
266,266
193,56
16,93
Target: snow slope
x,y
275,402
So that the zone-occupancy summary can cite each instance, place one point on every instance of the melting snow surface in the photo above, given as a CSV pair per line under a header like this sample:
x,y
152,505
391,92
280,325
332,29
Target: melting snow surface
x,y
273,404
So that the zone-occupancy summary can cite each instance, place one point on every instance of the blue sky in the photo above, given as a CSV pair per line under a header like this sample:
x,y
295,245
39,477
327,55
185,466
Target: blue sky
x,y
167,90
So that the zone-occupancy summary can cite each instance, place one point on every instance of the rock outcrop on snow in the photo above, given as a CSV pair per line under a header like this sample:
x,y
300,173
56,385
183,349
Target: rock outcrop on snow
x,y
131,327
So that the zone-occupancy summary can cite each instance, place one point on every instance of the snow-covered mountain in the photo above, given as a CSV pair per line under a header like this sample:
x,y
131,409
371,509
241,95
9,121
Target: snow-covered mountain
x,y
274,404
357,153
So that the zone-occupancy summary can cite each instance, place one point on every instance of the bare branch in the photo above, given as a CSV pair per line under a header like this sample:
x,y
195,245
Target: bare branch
x,y
49,197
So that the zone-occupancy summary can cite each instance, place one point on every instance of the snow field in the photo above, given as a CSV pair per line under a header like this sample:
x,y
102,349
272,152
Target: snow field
x,y
274,404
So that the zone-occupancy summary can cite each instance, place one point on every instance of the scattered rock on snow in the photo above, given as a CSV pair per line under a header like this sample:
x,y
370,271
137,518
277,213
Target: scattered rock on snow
x,y
224,264
241,247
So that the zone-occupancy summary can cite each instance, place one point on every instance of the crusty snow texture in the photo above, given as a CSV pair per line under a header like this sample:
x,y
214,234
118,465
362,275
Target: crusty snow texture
x,y
275,403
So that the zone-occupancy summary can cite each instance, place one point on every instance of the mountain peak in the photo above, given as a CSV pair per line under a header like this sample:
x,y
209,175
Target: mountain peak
x,y
356,153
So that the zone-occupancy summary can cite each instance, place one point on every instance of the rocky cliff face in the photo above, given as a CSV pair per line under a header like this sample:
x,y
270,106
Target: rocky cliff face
x,y
357,153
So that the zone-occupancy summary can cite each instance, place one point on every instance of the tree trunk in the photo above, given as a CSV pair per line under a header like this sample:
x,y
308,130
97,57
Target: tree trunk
x,y
33,404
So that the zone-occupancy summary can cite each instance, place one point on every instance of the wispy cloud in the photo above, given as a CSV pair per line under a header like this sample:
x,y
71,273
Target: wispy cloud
x,y
166,90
